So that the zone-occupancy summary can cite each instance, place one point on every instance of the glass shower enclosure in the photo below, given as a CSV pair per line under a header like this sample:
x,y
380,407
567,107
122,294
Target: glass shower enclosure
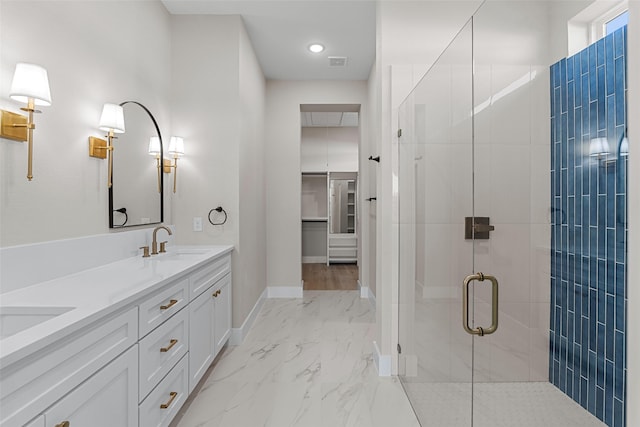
x,y
478,224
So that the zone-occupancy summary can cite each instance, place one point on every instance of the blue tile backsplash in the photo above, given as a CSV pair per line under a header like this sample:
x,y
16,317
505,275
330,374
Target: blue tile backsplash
x,y
587,357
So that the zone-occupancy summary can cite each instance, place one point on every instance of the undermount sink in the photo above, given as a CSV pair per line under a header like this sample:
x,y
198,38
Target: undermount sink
x,y
18,319
182,254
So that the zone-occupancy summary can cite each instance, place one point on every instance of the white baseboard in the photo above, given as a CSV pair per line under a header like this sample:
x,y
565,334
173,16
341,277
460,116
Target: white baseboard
x,y
238,334
284,291
314,259
383,362
365,292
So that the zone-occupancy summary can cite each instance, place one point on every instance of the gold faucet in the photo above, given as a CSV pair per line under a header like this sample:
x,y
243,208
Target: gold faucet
x,y
154,244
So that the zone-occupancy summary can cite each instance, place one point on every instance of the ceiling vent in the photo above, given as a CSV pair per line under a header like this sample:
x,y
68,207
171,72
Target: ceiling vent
x,y
337,61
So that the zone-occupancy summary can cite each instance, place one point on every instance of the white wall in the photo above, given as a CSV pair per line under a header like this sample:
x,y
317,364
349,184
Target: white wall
x,y
218,108
95,52
368,173
282,166
251,272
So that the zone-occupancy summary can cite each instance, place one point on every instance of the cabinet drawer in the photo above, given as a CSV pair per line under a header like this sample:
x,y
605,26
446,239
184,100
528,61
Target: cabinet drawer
x,y
164,402
343,242
30,386
161,349
343,252
203,278
162,305
106,399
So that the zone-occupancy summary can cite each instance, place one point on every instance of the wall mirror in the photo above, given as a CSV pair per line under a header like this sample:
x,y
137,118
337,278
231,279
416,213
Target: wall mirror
x,y
135,197
342,206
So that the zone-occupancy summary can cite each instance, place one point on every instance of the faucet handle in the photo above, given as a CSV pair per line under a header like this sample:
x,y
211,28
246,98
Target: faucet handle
x,y
163,248
145,251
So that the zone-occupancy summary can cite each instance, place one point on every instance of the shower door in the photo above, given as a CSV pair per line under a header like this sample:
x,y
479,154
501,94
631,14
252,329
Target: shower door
x,y
474,231
478,152
475,214
435,195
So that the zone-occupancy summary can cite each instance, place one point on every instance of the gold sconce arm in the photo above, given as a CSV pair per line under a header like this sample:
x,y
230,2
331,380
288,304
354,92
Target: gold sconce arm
x,y
168,165
159,167
175,172
20,128
102,149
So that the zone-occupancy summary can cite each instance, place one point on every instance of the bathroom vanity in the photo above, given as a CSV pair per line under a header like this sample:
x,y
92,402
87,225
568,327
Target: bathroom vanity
x,y
121,344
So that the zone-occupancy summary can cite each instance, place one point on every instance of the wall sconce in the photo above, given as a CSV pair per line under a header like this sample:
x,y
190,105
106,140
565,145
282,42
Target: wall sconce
x,y
176,149
599,148
30,85
111,121
623,151
155,150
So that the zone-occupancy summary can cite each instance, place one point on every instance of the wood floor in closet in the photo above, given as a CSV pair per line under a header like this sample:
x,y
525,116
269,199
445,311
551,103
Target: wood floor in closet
x,y
322,277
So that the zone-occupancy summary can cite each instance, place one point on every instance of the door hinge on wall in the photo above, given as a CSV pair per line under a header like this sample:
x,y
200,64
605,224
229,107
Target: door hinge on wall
x,y
399,349
399,133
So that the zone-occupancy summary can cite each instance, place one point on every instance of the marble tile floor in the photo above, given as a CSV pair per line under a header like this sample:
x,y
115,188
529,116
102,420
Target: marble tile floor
x,y
306,363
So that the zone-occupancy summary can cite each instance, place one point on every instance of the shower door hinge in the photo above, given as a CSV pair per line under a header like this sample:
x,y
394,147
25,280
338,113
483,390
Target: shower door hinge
x,y
399,349
399,133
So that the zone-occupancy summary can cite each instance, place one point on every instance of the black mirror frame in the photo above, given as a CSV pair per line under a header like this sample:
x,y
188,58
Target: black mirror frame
x,y
153,119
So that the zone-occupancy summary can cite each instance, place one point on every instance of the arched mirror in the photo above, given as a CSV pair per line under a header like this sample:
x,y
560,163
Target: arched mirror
x,y
135,197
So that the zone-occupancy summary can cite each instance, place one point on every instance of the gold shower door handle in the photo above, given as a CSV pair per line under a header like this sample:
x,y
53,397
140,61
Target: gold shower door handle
x,y
480,277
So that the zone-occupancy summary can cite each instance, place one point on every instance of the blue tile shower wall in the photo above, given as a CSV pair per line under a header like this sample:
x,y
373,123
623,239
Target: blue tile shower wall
x,y
587,357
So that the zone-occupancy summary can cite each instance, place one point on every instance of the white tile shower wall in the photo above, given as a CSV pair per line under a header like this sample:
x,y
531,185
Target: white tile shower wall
x,y
26,265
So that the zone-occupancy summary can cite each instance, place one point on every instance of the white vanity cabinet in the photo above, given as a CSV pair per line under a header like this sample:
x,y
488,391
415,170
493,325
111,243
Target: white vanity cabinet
x,y
209,327
130,367
31,385
108,398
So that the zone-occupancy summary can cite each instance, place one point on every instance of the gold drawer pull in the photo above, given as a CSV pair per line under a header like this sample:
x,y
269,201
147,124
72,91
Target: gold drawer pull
x,y
63,424
167,348
171,304
216,293
173,395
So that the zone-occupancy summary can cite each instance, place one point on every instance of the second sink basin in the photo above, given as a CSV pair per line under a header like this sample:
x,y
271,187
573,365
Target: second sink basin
x,y
182,254
18,319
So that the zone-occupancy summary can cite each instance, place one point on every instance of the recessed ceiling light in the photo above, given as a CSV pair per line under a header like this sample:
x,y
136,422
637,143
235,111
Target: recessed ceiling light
x,y
316,48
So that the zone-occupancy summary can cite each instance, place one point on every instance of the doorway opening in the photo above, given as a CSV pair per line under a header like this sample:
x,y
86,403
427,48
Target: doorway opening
x,y
329,140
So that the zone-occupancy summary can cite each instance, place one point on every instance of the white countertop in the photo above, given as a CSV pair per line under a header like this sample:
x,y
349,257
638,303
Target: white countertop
x,y
96,293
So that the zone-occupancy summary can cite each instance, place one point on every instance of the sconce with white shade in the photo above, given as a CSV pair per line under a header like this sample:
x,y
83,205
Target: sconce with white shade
x,y
155,149
599,148
30,85
112,122
176,149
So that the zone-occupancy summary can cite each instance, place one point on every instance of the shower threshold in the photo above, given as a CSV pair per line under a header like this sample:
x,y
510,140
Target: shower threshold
x,y
522,404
